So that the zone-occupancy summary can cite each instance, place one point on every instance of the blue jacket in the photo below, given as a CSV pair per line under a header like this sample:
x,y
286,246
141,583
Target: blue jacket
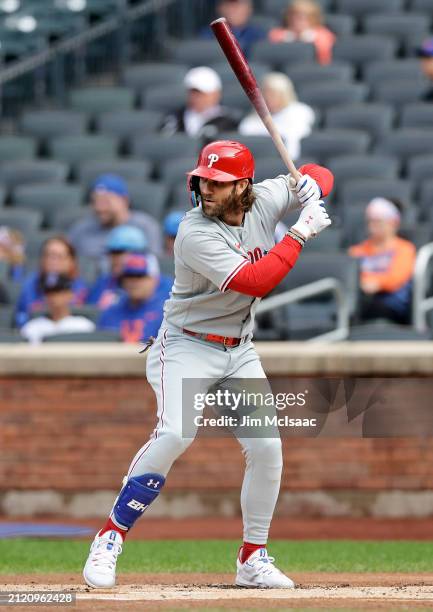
x,y
32,299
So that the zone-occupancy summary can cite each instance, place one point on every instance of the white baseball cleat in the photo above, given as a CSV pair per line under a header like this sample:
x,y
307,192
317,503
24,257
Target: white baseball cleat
x,y
100,569
259,572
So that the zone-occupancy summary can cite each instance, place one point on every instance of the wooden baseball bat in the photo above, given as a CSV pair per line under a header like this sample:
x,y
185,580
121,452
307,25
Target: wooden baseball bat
x,y
246,78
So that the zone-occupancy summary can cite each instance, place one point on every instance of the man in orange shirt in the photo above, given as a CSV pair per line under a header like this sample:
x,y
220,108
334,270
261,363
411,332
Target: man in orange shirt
x,y
387,264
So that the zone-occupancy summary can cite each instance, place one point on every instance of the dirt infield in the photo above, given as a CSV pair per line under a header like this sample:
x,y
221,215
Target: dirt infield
x,y
216,591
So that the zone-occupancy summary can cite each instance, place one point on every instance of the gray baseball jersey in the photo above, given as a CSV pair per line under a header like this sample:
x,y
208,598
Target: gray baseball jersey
x,y
209,253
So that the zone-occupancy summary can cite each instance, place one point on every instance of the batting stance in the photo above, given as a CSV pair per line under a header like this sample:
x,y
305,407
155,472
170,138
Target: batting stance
x,y
225,261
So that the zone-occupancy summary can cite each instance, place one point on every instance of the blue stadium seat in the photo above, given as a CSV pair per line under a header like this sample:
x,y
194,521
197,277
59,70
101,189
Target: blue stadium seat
x,y
129,169
76,149
96,100
350,167
47,198
406,142
399,26
152,74
164,98
36,171
150,197
341,25
159,149
419,169
51,123
377,73
174,171
308,73
365,189
128,124
16,148
196,52
398,92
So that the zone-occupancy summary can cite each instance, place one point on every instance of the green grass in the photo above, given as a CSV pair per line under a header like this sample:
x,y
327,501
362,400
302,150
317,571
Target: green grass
x,y
40,555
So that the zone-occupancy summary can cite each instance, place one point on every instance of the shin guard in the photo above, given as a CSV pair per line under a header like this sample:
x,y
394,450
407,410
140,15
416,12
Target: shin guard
x,y
137,494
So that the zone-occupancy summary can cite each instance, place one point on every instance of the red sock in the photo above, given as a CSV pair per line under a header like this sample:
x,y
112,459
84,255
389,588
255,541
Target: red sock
x,y
110,526
248,549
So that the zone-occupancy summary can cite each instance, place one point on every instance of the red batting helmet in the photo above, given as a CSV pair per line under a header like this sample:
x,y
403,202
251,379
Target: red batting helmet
x,y
224,161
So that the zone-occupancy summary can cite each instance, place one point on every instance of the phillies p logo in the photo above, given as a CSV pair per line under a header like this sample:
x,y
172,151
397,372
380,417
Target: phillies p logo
x,y
213,158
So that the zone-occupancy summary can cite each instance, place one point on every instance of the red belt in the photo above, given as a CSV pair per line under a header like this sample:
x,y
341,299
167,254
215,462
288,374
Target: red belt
x,y
225,340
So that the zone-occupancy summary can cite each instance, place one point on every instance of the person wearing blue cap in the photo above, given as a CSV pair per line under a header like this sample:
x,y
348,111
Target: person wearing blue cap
x,y
425,52
121,240
111,208
170,226
138,313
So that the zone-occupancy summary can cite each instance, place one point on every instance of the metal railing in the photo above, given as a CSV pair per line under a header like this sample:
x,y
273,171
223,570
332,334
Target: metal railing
x,y
325,285
421,303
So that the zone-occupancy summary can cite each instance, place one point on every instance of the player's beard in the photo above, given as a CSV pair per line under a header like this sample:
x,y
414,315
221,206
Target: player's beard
x,y
230,206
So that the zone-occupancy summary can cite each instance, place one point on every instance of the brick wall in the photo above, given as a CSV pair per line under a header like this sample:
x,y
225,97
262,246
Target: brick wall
x,y
79,434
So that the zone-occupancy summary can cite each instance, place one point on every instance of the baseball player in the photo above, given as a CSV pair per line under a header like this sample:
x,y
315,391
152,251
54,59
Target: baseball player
x,y
226,259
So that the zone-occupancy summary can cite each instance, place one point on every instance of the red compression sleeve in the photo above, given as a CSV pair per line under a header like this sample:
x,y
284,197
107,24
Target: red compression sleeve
x,y
323,177
258,278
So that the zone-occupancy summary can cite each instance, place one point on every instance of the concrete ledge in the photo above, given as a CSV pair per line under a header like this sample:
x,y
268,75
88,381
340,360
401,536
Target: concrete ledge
x,y
278,358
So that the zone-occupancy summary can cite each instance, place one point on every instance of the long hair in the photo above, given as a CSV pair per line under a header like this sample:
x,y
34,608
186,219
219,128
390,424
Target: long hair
x,y
247,198
69,248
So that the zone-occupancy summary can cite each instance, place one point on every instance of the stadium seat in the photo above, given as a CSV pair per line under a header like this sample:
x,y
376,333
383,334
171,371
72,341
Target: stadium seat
x,y
376,119
325,242
359,8
129,169
269,167
404,143
407,69
152,74
303,320
260,146
312,267
87,310
166,265
365,189
47,197
265,22
6,316
159,149
398,26
417,115
126,124
278,55
49,124
96,336
364,48
419,234
426,198
76,149
278,7
62,220
196,52
421,6
2,195
16,148
37,171
386,331
351,167
341,25
329,143
165,98
328,95
234,98
10,337
26,221
228,77
419,169
96,100
174,171
308,73
398,92
150,197
180,198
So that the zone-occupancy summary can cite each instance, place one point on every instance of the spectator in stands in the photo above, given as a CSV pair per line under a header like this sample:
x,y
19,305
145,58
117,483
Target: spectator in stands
x,y
121,240
111,208
203,115
138,313
171,225
387,264
12,252
293,119
425,52
58,294
57,256
303,21
238,14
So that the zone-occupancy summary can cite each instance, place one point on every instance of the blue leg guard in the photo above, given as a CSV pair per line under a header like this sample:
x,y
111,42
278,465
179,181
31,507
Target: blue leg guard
x,y
137,494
